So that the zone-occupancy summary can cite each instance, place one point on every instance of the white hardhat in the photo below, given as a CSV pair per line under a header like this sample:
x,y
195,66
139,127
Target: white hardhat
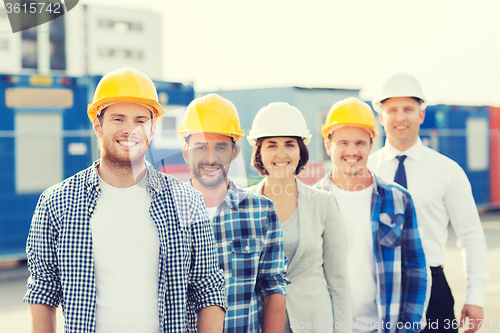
x,y
278,119
399,85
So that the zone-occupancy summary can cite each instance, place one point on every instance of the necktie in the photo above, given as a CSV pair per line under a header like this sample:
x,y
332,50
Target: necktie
x,y
400,176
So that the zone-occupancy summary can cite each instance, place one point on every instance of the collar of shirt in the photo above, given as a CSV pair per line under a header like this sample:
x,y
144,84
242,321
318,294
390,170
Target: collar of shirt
x,y
154,182
234,196
414,152
326,183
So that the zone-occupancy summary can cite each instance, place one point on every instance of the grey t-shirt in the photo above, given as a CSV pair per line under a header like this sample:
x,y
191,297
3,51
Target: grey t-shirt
x,y
290,229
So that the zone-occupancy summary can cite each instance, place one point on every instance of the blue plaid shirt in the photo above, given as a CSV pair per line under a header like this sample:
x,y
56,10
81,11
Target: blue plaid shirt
x,y
250,242
60,259
401,270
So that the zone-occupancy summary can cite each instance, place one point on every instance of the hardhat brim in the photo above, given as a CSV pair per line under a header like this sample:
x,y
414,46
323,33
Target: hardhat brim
x,y
326,130
92,108
252,140
183,132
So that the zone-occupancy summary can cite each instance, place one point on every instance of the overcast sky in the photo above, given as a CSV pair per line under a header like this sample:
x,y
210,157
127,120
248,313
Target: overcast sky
x,y
452,47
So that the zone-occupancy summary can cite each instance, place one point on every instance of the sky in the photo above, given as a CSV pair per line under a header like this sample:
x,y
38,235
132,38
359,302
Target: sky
x,y
451,47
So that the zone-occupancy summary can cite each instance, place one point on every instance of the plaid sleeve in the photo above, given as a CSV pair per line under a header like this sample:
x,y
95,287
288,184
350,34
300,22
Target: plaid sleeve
x,y
206,281
414,269
44,284
271,277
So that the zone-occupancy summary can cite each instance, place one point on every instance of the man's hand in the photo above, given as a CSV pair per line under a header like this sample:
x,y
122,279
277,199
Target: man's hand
x,y
475,314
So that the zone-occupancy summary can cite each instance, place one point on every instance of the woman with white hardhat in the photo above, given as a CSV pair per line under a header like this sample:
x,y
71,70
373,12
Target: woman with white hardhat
x,y
313,232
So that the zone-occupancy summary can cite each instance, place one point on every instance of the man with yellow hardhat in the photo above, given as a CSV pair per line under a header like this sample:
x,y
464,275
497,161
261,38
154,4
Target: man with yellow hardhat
x,y
123,247
385,258
442,195
246,225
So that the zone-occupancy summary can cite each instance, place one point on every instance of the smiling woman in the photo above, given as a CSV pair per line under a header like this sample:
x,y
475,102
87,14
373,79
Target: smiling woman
x,y
313,234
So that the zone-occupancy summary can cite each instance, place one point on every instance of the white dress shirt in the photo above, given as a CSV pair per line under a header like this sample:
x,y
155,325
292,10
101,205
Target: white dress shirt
x,y
441,193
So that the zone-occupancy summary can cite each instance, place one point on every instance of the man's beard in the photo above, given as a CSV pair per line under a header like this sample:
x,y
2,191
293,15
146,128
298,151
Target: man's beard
x,y
122,162
208,181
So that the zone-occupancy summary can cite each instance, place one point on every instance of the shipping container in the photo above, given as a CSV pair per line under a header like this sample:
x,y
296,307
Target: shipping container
x,y
462,134
46,136
494,119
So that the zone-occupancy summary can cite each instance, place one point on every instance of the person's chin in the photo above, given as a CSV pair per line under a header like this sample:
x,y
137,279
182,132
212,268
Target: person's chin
x,y
211,181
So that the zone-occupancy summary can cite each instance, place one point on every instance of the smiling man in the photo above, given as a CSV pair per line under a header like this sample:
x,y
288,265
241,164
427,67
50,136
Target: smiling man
x,y
123,247
245,225
442,195
385,258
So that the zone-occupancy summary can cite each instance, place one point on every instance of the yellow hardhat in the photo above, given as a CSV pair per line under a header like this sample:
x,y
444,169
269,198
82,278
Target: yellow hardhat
x,y
125,85
211,114
350,112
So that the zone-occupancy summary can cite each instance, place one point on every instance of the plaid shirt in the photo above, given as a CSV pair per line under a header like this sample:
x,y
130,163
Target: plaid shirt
x,y
60,259
250,242
401,270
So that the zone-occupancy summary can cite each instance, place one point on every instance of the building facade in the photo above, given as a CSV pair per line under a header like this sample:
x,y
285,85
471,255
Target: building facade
x,y
86,40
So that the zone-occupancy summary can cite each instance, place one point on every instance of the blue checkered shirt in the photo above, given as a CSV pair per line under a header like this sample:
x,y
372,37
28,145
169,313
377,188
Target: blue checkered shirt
x,y
250,243
401,270
60,259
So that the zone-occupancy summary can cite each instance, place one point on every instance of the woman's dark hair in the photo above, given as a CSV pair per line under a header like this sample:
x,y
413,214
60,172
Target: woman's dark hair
x,y
257,158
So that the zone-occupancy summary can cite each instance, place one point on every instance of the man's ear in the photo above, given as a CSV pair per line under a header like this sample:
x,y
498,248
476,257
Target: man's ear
x,y
328,144
153,131
185,153
236,151
422,116
380,117
97,127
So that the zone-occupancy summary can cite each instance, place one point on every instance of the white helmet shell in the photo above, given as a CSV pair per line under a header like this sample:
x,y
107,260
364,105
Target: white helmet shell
x,y
278,119
399,85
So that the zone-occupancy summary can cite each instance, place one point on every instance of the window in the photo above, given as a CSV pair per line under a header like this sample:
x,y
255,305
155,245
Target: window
x,y
29,48
57,30
105,23
169,126
120,26
121,53
57,37
4,44
166,136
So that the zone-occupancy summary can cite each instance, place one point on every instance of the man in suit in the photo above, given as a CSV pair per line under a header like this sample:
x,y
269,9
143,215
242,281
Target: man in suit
x,y
245,225
442,194
386,262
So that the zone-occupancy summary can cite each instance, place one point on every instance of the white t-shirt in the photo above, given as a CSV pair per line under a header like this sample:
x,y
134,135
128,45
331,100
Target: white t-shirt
x,y
126,257
355,208
211,212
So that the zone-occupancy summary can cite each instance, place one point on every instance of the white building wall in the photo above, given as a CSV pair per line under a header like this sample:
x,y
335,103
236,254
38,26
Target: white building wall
x,y
75,41
10,46
116,46
87,42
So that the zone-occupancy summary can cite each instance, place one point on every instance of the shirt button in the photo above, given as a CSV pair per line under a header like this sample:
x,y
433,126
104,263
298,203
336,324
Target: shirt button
x,y
247,248
91,209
